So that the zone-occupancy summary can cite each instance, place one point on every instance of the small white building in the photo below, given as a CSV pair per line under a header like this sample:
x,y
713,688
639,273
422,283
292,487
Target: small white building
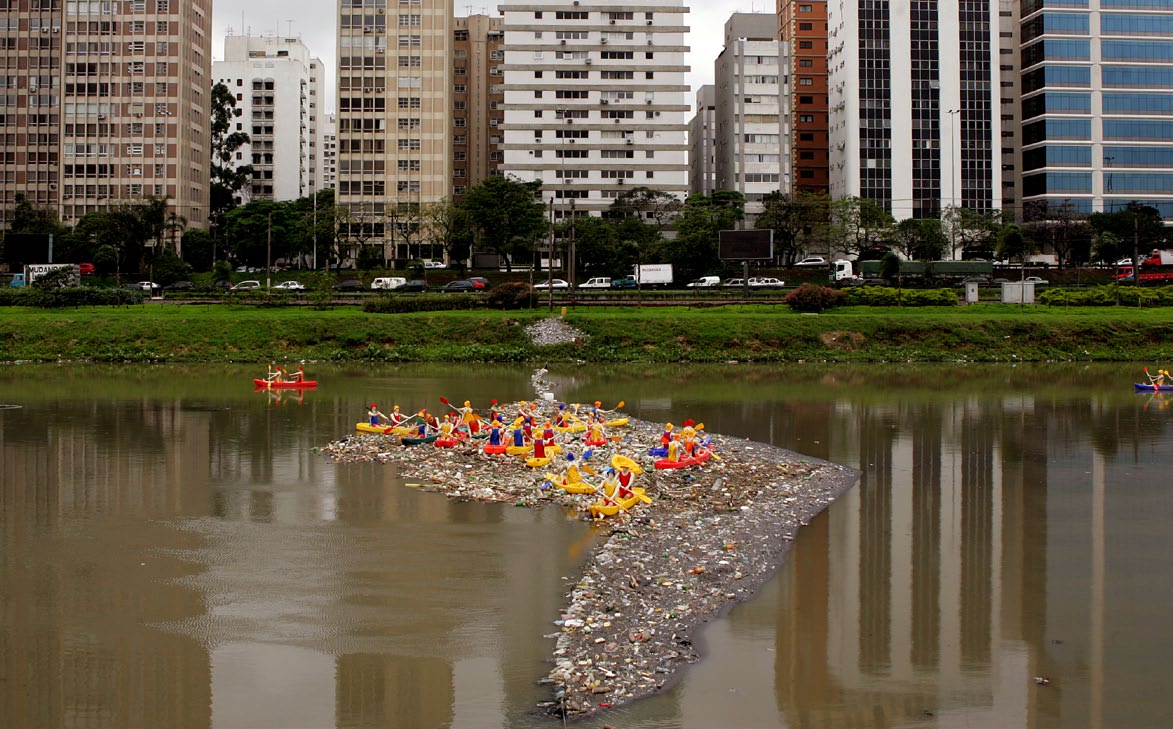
x,y
279,94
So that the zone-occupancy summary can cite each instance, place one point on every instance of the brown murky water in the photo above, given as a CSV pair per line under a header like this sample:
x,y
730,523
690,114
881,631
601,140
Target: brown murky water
x,y
174,554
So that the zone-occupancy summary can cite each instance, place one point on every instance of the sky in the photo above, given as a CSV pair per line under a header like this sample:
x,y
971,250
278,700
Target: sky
x,y
313,21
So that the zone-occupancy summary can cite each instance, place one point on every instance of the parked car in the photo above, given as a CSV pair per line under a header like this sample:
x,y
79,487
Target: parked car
x,y
290,286
1037,281
434,264
350,285
557,284
220,285
627,282
705,282
246,286
812,262
733,283
480,282
388,282
85,269
766,283
179,286
458,286
598,282
17,280
414,286
150,287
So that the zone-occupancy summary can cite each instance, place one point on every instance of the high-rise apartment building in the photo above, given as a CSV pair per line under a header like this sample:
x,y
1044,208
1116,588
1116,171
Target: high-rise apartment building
x,y
394,117
595,99
104,103
278,87
329,150
802,28
749,147
913,95
1097,104
478,100
702,140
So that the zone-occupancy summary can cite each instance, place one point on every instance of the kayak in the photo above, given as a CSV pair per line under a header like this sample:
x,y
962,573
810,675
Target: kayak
x,y
538,462
446,442
572,428
410,441
602,507
284,384
1144,387
594,441
616,423
383,429
659,452
620,461
570,487
494,450
515,450
698,459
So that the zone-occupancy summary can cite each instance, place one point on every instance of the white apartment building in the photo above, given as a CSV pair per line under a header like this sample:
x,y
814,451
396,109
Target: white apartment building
x,y
595,99
749,148
914,105
277,85
329,151
702,137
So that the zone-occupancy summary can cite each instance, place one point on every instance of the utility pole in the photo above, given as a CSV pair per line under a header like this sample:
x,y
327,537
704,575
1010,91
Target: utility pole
x,y
550,260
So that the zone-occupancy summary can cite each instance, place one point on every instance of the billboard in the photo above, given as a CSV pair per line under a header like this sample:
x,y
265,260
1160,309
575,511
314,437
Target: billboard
x,y
33,271
746,245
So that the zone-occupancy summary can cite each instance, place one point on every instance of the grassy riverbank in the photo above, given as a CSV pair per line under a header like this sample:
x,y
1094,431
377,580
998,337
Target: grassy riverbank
x,y
219,333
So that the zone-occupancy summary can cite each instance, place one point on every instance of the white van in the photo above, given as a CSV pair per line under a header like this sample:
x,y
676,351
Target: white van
x,y
705,282
392,282
598,282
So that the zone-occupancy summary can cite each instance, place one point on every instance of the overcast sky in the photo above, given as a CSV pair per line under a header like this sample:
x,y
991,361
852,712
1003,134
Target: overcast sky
x,y
313,21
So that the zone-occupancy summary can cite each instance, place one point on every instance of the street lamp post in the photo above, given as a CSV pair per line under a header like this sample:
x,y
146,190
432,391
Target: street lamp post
x,y
953,216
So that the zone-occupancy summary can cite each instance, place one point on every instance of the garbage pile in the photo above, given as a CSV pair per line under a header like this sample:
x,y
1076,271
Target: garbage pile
x,y
712,536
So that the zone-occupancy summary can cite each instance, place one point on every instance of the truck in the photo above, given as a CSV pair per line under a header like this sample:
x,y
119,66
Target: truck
x,y
845,271
654,274
1156,268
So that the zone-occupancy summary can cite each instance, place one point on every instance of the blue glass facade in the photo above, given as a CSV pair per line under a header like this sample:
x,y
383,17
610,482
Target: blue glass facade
x,y
1097,134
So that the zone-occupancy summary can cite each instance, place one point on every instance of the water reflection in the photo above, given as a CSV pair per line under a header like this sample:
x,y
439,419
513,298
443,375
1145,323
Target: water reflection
x,y
174,554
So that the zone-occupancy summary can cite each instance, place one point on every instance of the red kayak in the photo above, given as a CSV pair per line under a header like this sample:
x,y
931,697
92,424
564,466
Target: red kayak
x,y
284,384
698,459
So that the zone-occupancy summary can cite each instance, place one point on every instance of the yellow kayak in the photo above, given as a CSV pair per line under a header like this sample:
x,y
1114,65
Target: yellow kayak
x,y
616,423
383,429
605,507
579,427
538,462
618,461
515,450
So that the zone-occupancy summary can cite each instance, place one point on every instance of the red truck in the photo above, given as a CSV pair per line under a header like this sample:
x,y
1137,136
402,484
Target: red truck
x,y
1157,268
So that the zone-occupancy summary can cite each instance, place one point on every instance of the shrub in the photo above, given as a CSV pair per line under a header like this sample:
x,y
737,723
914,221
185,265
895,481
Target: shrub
x,y
45,298
886,296
1110,295
813,298
510,295
412,303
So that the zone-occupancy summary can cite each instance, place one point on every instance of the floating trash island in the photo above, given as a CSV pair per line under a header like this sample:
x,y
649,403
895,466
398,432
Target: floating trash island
x,y
694,523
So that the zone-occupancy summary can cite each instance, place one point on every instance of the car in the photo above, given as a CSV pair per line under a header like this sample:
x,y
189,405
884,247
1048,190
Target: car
x,y
705,282
480,282
1124,262
434,264
246,285
1036,280
733,282
248,269
556,284
766,283
414,286
220,285
179,286
85,269
628,282
812,262
350,285
458,286
598,282
290,286
149,286
389,283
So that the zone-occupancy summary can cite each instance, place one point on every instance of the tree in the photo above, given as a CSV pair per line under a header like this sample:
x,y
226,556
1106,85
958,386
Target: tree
x,y
1012,244
921,239
1137,227
447,224
1062,228
858,224
506,215
973,233
227,180
694,251
261,231
652,207
796,219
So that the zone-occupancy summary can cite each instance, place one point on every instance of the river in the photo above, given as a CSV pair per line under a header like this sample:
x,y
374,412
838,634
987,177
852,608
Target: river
x,y
176,554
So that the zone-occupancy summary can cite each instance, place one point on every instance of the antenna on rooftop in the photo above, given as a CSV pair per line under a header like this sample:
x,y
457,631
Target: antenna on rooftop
x,y
290,33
